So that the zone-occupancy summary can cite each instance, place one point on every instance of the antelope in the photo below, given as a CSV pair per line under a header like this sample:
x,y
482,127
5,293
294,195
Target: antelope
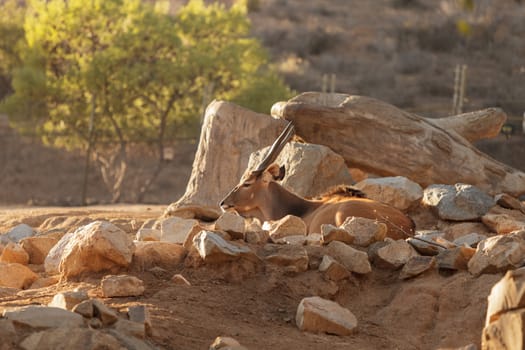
x,y
259,195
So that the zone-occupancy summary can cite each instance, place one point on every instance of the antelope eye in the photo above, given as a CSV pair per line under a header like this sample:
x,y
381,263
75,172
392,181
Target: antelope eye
x,y
246,184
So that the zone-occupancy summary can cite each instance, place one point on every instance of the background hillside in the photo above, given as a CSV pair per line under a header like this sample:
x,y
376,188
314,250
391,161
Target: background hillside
x,y
401,51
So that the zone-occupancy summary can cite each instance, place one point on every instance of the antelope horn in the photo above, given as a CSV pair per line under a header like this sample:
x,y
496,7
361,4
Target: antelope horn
x,y
276,148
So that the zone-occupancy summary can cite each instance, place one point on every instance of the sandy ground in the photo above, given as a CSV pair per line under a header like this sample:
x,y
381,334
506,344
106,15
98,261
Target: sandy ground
x,y
258,306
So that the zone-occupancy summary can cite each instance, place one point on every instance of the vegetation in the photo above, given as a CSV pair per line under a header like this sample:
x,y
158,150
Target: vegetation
x,y
100,75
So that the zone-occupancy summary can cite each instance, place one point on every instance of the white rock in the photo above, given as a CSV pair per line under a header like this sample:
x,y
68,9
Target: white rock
x,y
319,315
176,229
95,247
294,258
397,191
121,286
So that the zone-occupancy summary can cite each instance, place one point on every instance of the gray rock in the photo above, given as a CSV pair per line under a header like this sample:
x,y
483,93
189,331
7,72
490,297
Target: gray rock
x,y
42,317
176,229
455,258
393,255
470,240
19,232
232,223
332,269
460,202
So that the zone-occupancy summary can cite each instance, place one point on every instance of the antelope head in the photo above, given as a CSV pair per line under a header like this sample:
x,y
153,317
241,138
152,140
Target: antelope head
x,y
252,194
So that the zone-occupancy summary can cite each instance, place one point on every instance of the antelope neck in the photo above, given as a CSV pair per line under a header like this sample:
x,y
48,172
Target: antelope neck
x,y
283,202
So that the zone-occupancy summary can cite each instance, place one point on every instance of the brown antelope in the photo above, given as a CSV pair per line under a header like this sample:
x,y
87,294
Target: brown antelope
x,y
259,195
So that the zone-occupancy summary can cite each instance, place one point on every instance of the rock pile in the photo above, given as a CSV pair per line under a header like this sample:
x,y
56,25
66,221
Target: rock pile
x,y
459,228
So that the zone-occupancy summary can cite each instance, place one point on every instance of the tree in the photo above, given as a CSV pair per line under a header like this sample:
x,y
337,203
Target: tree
x,y
106,74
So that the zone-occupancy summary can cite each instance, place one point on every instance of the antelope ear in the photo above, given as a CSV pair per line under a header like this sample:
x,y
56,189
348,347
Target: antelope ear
x,y
276,172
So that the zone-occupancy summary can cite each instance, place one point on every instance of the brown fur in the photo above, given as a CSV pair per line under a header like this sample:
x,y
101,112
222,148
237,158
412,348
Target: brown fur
x,y
341,191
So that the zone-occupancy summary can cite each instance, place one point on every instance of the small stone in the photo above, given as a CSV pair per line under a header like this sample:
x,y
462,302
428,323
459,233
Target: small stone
x,y
257,237
287,226
130,328
333,270
176,229
461,202
161,254
41,317
503,221
232,223
107,315
148,234
455,258
16,275
353,259
226,343
397,191
14,253
507,201
393,255
458,230
84,308
68,300
293,240
180,280
333,233
499,253
318,315
314,239
140,314
470,240
293,258
212,248
121,286
38,247
43,282
416,265
365,231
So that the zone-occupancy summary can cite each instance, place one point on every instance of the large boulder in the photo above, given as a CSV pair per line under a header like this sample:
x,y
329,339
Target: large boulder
x,y
95,247
310,169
